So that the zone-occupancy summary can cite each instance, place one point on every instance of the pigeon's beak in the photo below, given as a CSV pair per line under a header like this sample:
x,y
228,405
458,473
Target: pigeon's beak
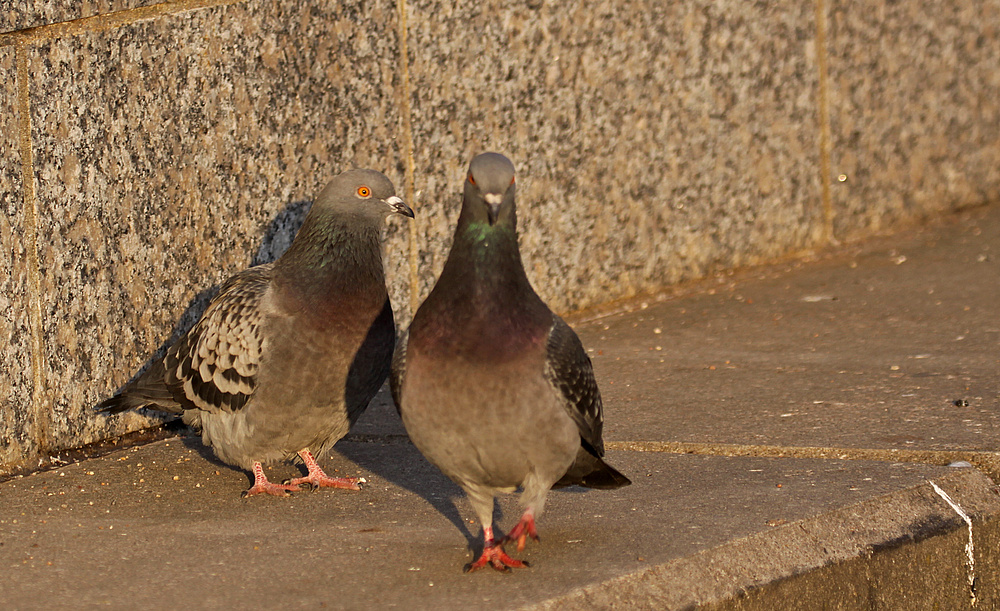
x,y
399,206
493,201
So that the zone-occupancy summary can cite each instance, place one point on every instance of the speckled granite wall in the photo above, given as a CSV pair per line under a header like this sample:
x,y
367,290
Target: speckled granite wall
x,y
23,14
654,141
166,152
173,144
915,118
16,425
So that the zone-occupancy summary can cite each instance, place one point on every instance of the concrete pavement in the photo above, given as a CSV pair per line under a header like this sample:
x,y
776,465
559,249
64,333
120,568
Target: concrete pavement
x,y
787,429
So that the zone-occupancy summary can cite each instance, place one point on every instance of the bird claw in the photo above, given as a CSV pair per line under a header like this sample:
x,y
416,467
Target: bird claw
x,y
316,481
494,556
521,541
269,488
308,486
524,529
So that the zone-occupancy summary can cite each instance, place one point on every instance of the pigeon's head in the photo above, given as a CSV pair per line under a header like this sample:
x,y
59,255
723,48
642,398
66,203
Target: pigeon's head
x,y
362,193
489,189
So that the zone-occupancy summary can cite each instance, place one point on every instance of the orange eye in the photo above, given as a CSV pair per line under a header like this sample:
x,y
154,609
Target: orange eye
x,y
364,191
472,180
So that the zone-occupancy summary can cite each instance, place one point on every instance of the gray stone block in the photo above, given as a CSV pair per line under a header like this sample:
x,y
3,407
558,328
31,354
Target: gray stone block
x,y
653,142
17,439
174,144
913,110
22,14
167,153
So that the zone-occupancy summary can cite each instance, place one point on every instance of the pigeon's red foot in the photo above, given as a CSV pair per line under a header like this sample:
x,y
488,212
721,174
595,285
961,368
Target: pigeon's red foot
x,y
322,480
493,555
262,486
269,488
524,529
318,479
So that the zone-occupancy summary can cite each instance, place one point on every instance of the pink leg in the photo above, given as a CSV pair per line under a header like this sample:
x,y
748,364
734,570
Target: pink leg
x,y
318,479
494,555
262,486
524,529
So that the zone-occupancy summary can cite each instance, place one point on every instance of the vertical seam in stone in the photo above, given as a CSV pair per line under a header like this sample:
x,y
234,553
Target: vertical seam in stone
x,y
824,121
404,67
33,268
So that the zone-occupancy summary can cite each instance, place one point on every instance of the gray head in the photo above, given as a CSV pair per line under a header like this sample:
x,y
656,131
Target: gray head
x,y
365,193
489,189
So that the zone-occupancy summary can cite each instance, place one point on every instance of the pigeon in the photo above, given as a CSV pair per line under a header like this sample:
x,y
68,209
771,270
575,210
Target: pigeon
x,y
288,354
493,387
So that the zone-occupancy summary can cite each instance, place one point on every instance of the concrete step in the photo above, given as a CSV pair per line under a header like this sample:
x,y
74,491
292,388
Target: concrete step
x,y
788,431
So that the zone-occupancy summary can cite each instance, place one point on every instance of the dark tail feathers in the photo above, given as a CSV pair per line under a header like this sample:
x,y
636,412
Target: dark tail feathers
x,y
591,471
113,405
157,398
